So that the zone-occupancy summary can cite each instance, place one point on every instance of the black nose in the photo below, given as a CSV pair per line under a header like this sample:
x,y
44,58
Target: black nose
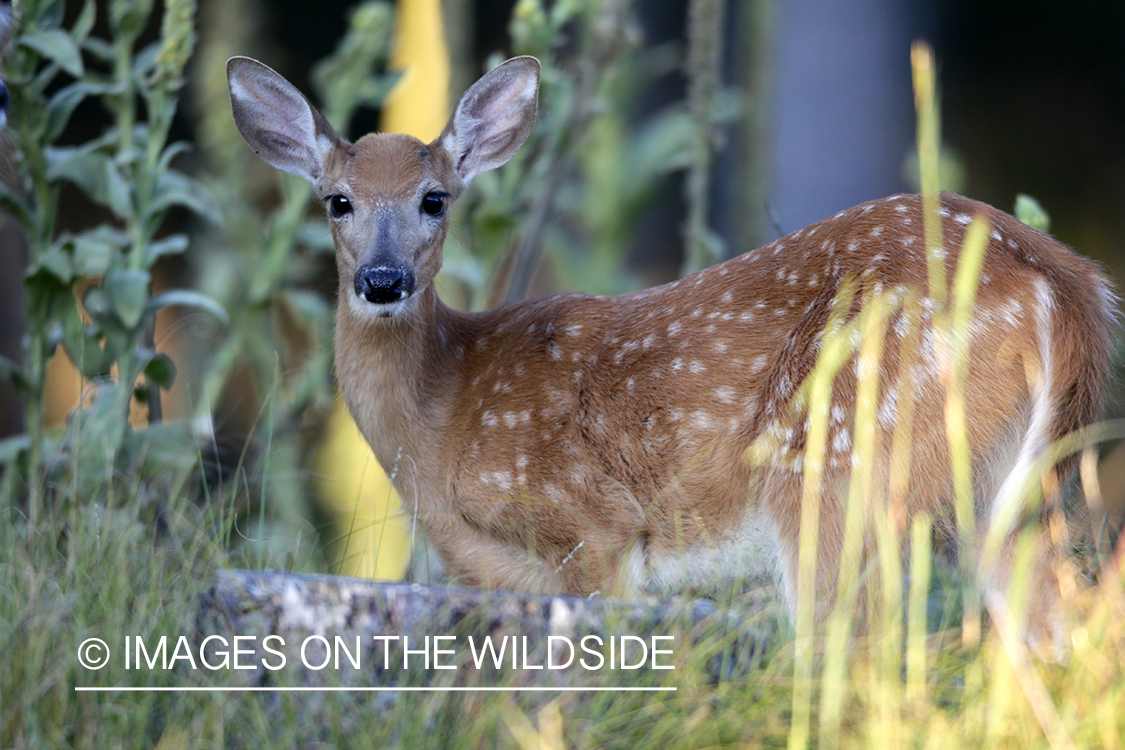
x,y
381,285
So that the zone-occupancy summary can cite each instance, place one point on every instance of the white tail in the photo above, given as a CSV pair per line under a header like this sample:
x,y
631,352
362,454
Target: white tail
x,y
578,443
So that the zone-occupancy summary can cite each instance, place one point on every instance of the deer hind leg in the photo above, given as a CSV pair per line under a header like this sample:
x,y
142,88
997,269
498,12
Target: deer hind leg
x,y
1022,542
1028,573
783,502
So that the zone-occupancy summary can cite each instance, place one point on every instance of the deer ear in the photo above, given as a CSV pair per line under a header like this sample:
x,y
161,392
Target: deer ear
x,y
493,118
277,120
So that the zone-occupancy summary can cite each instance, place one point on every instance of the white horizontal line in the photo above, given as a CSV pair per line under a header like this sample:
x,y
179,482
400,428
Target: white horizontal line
x,y
135,689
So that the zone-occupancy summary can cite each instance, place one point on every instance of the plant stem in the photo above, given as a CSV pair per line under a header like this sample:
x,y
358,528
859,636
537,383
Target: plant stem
x,y
705,35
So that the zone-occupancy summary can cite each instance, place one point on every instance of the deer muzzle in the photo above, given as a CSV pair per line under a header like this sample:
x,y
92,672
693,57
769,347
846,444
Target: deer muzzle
x,y
383,285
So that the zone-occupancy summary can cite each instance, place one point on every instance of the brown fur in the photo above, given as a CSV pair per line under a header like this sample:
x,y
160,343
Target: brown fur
x,y
560,443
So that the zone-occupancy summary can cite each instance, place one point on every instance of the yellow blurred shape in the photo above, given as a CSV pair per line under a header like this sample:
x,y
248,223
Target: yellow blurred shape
x,y
419,104
357,491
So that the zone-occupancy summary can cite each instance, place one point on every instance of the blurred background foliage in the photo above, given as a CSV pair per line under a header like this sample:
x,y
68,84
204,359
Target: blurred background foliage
x,y
672,133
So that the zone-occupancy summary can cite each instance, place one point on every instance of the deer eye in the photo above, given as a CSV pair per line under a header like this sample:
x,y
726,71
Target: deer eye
x,y
433,203
339,205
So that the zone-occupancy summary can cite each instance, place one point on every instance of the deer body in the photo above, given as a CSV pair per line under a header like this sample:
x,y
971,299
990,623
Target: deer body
x,y
580,444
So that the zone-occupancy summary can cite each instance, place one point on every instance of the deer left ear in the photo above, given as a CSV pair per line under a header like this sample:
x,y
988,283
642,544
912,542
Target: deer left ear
x,y
493,118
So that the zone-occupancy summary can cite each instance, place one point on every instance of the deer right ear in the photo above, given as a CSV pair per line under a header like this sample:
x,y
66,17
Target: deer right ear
x,y
493,118
277,120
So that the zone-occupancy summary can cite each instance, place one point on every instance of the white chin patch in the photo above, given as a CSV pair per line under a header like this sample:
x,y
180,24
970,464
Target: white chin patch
x,y
363,309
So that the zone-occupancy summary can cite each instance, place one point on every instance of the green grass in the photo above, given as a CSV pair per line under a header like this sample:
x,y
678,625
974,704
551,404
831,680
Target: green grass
x,y
101,570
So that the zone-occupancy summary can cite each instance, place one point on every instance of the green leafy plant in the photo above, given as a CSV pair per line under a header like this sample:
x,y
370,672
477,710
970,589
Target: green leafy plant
x,y
127,170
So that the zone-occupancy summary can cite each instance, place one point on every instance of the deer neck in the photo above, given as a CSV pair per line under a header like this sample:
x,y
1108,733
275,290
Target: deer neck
x,y
396,375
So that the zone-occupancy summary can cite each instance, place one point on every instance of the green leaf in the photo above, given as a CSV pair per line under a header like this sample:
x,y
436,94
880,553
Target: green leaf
x,y
170,152
14,205
175,244
128,18
99,48
103,424
12,448
96,303
85,22
128,295
62,106
118,191
83,345
1031,213
95,172
64,102
312,308
161,370
57,46
460,265
188,298
85,168
177,189
81,166
56,261
145,61
95,249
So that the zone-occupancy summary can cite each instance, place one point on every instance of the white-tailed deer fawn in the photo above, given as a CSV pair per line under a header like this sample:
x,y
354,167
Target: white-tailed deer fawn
x,y
578,443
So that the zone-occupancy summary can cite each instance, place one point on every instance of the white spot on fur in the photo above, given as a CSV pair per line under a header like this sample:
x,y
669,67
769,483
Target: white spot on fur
x,y
702,420
888,410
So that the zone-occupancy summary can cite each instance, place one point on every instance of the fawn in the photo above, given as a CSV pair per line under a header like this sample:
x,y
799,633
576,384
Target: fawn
x,y
585,444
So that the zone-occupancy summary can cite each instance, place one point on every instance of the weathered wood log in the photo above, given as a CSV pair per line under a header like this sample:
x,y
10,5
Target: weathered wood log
x,y
304,630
